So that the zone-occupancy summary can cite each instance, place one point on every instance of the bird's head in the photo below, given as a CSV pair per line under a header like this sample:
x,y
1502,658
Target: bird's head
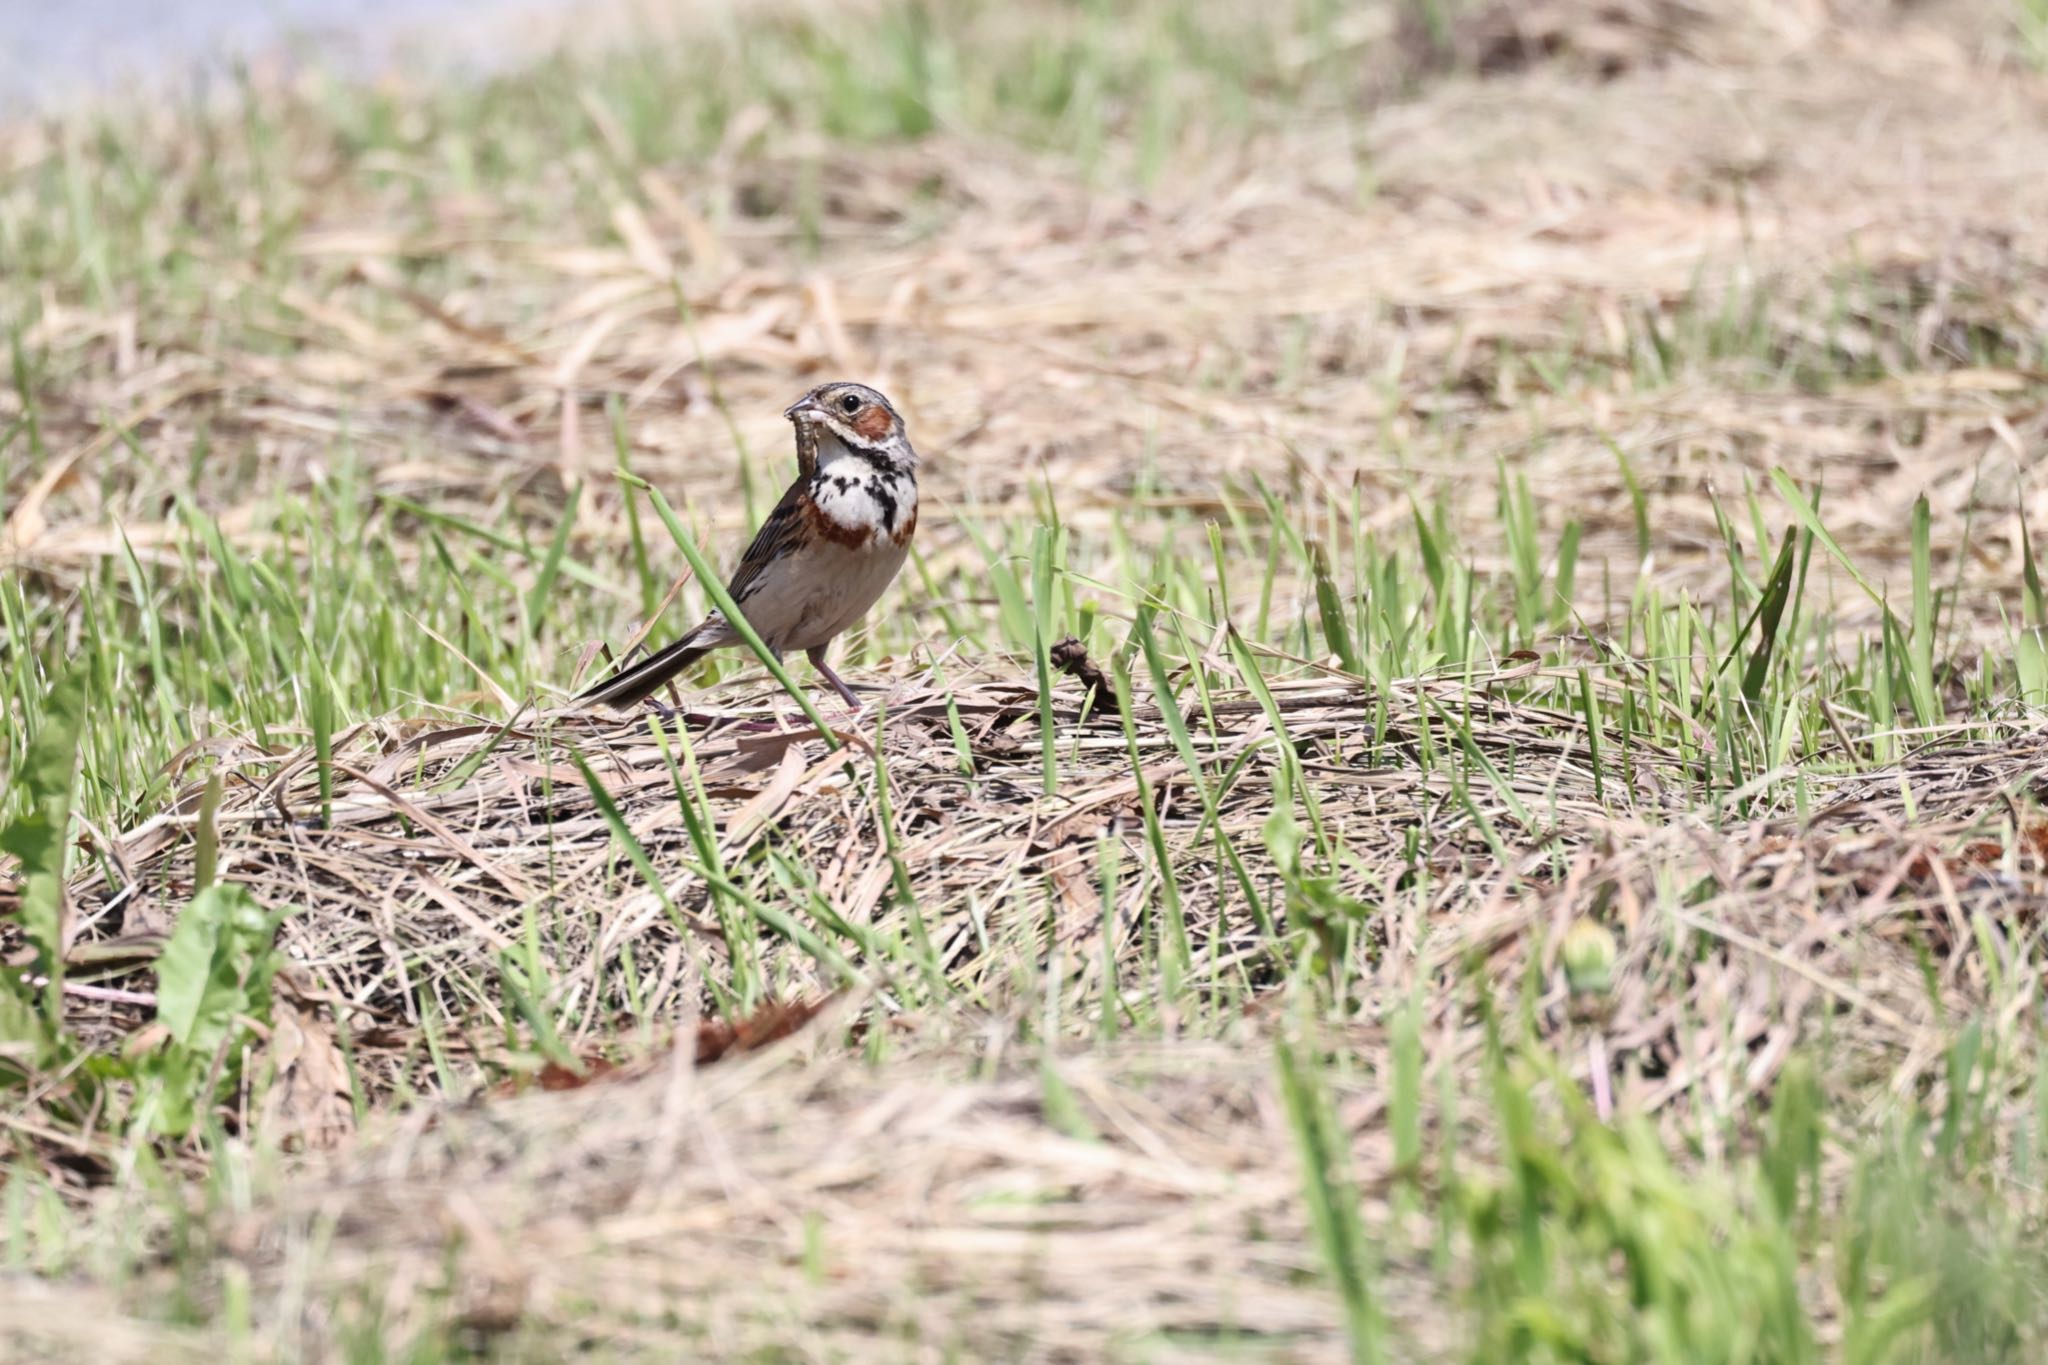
x,y
852,419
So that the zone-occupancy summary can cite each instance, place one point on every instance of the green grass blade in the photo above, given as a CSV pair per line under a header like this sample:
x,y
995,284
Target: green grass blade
x,y
1926,702
1770,610
1336,628
551,565
1333,1204
40,837
2030,642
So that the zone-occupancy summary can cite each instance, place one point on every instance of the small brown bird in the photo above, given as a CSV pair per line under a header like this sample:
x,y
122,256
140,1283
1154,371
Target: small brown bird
x,y
823,556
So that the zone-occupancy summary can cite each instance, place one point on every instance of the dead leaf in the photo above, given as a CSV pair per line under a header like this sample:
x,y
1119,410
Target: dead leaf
x,y
719,1038
309,1104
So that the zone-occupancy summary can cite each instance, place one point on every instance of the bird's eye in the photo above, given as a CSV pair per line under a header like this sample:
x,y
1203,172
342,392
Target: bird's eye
x,y
850,403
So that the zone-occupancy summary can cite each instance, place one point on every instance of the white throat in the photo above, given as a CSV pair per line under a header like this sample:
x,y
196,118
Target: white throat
x,y
831,450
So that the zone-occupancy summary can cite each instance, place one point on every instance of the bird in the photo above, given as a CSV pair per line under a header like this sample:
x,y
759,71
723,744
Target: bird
x,y
826,552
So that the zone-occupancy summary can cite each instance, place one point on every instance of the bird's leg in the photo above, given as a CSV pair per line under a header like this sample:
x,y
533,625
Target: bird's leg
x,y
817,658
664,711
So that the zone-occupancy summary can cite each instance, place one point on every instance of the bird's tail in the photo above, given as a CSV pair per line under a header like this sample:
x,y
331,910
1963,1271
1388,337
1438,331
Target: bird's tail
x,y
638,683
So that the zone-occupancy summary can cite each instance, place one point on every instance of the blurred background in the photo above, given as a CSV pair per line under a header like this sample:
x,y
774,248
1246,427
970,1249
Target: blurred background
x,y
53,54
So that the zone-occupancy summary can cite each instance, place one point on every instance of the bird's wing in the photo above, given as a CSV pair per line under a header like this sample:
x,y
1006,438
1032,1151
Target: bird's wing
x,y
780,534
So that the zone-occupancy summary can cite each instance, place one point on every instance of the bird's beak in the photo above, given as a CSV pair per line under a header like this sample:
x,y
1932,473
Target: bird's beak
x,y
803,410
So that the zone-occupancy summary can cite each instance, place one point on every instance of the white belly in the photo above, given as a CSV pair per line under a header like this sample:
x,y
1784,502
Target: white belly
x,y
807,599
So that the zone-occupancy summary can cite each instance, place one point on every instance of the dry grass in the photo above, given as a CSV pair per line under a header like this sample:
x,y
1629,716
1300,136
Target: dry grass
x,y
796,1204
445,842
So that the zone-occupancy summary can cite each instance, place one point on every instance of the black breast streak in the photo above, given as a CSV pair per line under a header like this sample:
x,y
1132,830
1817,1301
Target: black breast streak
x,y
878,489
